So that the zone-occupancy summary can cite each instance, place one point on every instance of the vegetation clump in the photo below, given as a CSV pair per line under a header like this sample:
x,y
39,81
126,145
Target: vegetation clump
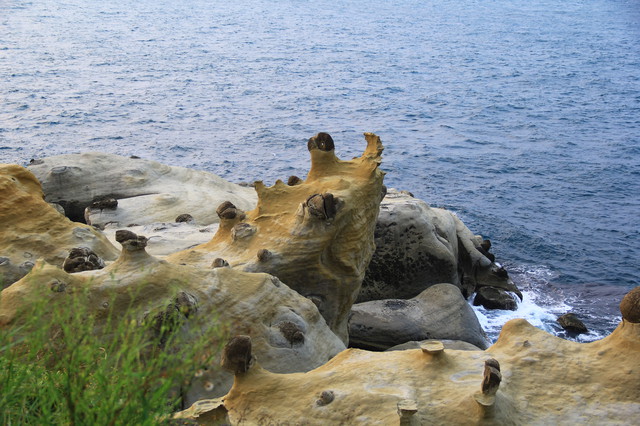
x,y
58,365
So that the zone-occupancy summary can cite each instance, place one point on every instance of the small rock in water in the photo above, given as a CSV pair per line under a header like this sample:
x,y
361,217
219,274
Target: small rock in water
x,y
572,323
495,298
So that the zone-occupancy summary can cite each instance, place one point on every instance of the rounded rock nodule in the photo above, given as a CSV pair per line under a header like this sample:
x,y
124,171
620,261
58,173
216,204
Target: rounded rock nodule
x,y
185,217
630,306
322,141
326,397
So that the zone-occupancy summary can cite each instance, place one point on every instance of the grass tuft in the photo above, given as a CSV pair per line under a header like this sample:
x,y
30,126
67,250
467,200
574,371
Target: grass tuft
x,y
61,364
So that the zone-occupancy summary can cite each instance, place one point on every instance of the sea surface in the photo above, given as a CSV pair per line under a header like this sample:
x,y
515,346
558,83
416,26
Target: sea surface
x,y
523,117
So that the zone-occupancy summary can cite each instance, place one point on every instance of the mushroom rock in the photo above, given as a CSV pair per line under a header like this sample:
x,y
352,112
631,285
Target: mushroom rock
x,y
32,228
127,190
166,238
447,344
418,246
288,332
316,236
527,377
439,312
82,259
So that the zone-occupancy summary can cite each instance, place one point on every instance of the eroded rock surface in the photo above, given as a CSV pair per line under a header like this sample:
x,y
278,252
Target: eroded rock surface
x,y
166,238
316,236
447,344
527,377
32,228
418,246
439,312
288,332
126,190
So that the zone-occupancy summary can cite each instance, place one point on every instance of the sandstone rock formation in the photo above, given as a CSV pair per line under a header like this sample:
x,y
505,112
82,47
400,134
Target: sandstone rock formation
x,y
419,246
166,238
128,190
447,344
288,332
33,229
527,377
439,312
316,236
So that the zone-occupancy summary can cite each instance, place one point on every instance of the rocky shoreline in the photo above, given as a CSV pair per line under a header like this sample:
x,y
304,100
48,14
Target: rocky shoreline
x,y
300,271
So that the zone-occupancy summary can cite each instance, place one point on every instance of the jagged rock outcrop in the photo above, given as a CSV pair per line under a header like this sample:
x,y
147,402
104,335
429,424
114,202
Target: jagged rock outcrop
x,y
316,236
288,332
527,377
131,190
32,228
418,246
439,312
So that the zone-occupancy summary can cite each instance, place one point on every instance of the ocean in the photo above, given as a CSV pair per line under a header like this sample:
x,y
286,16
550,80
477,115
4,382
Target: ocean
x,y
522,117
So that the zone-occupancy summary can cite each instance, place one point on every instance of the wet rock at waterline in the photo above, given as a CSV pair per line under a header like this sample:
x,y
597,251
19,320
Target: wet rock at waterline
x,y
418,246
572,323
495,298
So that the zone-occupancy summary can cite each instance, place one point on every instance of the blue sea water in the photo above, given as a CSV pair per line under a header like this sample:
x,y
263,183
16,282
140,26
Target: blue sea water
x,y
523,117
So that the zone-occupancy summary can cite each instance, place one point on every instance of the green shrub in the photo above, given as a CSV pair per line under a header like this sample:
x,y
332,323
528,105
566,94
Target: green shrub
x,y
62,365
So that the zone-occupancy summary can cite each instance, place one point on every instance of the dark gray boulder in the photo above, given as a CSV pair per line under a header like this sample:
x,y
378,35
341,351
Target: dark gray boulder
x,y
418,246
439,312
495,298
572,323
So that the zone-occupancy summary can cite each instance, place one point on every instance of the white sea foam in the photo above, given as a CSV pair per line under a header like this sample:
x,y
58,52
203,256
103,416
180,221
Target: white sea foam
x,y
541,305
538,315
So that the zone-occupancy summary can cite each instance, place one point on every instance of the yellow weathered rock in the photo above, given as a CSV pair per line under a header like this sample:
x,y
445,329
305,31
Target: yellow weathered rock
x,y
287,330
316,236
32,228
540,379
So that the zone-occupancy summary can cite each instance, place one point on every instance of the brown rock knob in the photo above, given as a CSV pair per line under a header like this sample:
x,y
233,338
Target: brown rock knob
x,y
226,210
630,306
322,141
492,377
294,180
236,355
